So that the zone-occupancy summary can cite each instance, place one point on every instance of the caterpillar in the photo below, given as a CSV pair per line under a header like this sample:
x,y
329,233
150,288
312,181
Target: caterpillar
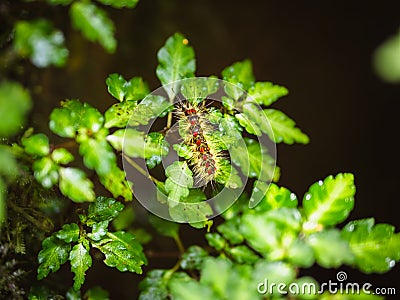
x,y
196,132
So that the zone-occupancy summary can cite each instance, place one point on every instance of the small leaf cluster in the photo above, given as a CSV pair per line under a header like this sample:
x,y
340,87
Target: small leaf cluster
x,y
242,111
44,45
73,243
274,240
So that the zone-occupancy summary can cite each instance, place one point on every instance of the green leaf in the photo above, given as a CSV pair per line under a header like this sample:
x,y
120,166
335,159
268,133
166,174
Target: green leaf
x,y
273,196
275,272
242,254
99,230
252,119
228,281
123,252
125,218
193,258
15,102
230,230
134,89
81,261
74,116
215,240
119,114
150,107
257,163
39,41
179,180
175,60
164,227
386,59
192,209
154,286
329,202
300,254
190,290
46,171
240,73
97,293
376,247
69,233
120,3
94,24
266,93
104,209
62,156
283,128
98,155
9,166
330,249
36,145
75,185
54,253
306,288
260,233
195,90
115,182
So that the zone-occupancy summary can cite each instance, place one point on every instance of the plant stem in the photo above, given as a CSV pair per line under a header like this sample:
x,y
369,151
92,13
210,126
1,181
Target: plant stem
x,y
178,242
169,120
140,169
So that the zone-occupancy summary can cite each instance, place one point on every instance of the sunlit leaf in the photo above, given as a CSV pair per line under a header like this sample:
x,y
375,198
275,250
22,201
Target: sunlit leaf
x,y
134,89
39,41
15,103
69,233
329,202
37,144
81,261
330,249
62,156
46,171
75,185
376,247
94,24
104,209
266,93
283,128
179,180
54,253
119,114
176,60
123,252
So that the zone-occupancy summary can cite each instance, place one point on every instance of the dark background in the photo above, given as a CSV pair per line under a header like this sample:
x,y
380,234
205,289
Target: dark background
x,y
321,50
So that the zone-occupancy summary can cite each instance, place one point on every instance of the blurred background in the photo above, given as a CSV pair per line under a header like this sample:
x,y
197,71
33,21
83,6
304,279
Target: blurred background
x,y
322,51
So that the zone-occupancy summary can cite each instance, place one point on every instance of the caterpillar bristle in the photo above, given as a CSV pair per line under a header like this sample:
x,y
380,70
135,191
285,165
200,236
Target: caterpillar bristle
x,y
197,135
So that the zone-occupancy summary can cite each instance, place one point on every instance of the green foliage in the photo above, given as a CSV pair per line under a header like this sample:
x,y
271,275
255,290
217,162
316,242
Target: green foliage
x,y
39,41
386,59
134,89
44,45
73,243
176,60
266,233
94,24
376,247
272,240
15,103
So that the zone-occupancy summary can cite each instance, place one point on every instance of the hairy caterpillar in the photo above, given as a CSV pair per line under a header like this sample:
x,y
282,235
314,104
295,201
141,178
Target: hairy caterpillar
x,y
196,132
